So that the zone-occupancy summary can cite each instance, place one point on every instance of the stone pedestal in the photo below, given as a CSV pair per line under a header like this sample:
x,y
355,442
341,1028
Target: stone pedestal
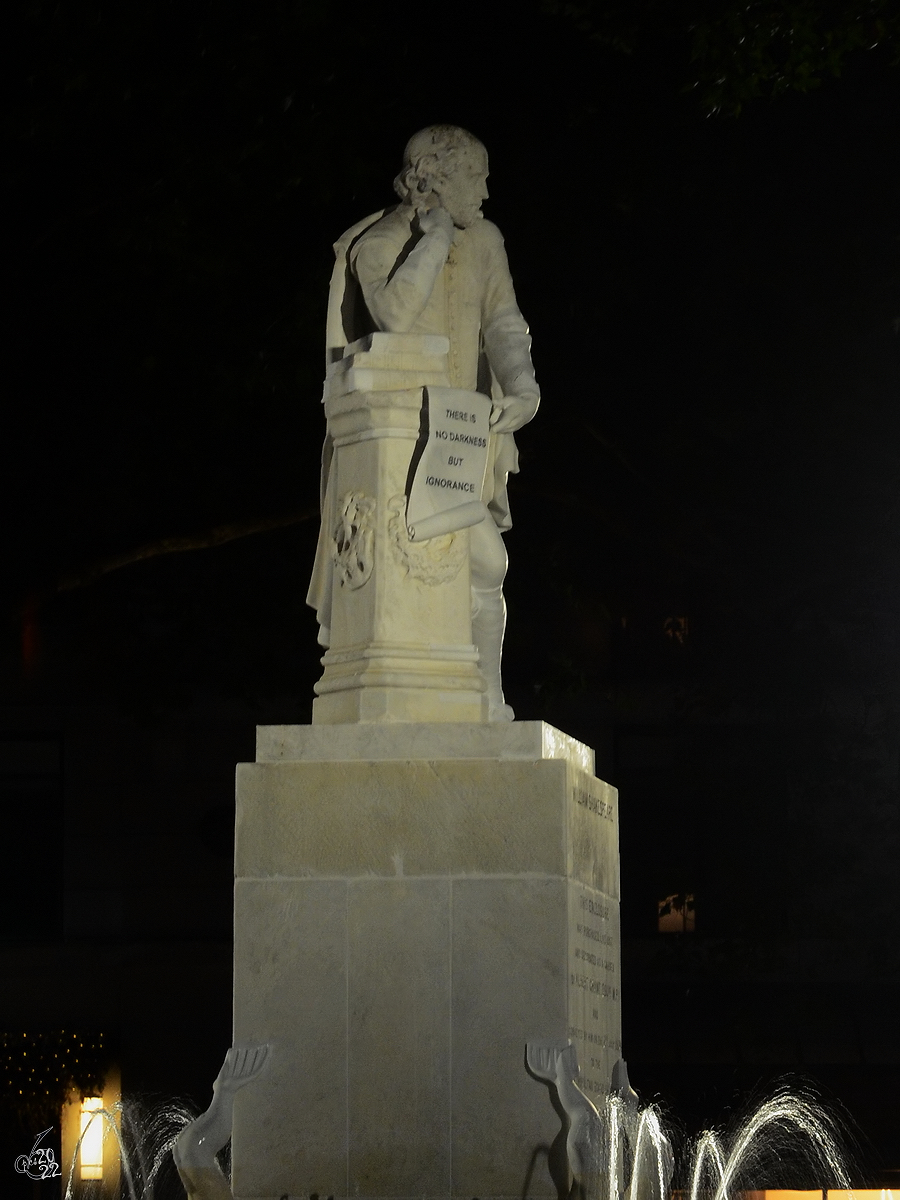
x,y
413,903
401,619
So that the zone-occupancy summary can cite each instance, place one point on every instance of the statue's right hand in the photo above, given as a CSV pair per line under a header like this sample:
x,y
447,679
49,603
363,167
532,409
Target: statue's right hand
x,y
436,219
512,412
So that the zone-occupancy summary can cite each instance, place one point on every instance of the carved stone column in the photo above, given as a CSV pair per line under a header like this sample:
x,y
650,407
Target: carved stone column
x,y
401,626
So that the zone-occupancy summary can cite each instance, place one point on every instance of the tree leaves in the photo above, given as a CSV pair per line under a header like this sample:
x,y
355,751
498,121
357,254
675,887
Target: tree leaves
x,y
733,53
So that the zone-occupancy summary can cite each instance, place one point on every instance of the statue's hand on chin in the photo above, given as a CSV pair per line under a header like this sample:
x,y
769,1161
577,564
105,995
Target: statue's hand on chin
x,y
436,219
512,412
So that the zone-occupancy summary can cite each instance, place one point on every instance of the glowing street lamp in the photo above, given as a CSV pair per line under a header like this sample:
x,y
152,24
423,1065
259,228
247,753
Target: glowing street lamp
x,y
91,1138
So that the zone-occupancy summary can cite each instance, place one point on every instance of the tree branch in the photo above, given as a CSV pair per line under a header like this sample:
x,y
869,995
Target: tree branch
x,y
178,545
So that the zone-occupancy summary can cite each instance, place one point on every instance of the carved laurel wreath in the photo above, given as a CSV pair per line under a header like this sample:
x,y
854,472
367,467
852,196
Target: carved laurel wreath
x,y
353,538
435,560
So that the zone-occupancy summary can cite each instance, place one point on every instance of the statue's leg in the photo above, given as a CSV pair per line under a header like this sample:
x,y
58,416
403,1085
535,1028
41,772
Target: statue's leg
x,y
488,560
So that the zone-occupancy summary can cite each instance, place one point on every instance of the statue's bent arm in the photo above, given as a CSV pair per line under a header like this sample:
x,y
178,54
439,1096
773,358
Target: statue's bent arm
x,y
505,331
508,346
396,296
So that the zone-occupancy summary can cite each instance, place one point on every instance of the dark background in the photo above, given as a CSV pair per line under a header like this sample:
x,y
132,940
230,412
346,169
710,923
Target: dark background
x,y
705,579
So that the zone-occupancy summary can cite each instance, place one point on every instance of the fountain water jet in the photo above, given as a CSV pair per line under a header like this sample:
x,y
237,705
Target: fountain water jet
x,y
618,1151
144,1138
784,1110
621,1151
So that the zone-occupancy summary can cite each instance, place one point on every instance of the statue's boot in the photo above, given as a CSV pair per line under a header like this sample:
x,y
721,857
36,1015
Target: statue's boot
x,y
488,624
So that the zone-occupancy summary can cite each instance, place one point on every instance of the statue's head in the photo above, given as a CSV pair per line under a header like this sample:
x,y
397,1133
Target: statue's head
x,y
445,165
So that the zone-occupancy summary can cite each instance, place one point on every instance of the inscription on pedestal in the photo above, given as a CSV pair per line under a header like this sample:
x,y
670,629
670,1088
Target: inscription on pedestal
x,y
600,806
594,833
594,1023
593,972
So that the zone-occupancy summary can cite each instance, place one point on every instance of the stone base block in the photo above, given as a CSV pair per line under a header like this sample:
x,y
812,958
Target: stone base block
x,y
403,925
394,704
400,683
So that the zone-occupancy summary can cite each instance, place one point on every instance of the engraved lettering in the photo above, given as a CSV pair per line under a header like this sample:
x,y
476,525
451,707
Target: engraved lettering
x,y
605,964
600,808
605,939
603,1040
594,986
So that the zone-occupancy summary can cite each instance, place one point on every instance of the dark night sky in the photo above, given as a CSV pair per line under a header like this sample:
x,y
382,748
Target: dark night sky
x,y
714,303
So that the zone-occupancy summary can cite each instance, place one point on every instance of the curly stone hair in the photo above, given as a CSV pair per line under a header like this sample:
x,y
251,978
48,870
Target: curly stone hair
x,y
428,156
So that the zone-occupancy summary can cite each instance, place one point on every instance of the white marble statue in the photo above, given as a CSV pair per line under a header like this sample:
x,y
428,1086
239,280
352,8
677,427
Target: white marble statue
x,y
432,265
198,1144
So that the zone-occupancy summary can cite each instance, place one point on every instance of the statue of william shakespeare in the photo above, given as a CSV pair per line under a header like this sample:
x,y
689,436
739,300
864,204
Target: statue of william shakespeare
x,y
433,266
